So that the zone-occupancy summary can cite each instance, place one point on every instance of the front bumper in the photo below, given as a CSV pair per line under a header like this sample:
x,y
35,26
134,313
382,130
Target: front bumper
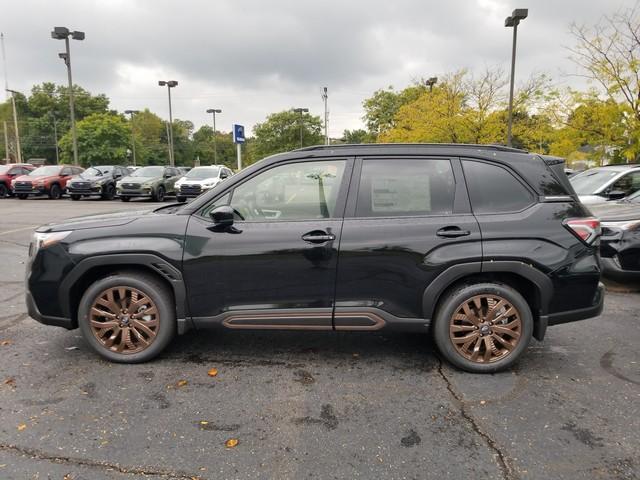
x,y
611,268
34,313
97,190
30,191
134,193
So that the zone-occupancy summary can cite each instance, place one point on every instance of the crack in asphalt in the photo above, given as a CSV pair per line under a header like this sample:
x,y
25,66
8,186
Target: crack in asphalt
x,y
83,462
501,459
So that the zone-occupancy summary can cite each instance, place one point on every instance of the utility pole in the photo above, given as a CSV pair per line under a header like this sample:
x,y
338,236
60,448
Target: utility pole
x,y
325,97
133,138
513,21
15,125
55,136
6,143
215,146
301,111
170,84
4,65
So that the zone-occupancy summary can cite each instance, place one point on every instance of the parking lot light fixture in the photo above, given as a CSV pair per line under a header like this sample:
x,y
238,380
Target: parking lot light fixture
x,y
213,111
170,84
301,111
512,22
133,138
431,81
63,33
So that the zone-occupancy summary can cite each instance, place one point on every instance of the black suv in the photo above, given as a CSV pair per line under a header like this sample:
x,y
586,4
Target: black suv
x,y
484,245
96,181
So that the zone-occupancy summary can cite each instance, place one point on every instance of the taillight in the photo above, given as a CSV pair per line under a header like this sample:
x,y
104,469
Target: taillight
x,y
586,229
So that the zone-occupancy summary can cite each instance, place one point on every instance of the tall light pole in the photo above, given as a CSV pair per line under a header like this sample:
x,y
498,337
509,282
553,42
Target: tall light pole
x,y
15,125
430,82
301,111
513,21
213,111
133,138
63,33
170,84
325,98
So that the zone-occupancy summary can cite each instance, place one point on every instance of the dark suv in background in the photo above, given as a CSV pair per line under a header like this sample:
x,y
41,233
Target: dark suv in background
x,y
483,245
96,181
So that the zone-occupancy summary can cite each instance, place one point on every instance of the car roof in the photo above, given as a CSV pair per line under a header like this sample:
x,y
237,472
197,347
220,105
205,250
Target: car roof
x,y
617,168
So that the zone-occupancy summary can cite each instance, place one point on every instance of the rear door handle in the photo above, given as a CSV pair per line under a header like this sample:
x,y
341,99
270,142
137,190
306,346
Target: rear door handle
x,y
452,232
318,236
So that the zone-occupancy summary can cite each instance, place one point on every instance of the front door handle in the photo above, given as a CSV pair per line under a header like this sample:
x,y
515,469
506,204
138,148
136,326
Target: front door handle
x,y
452,232
318,236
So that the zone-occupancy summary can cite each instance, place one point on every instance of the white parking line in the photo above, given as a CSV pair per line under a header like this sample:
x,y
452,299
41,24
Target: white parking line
x,y
6,232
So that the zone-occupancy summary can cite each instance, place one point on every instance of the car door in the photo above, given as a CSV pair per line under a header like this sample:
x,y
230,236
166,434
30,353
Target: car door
x,y
408,220
169,182
275,267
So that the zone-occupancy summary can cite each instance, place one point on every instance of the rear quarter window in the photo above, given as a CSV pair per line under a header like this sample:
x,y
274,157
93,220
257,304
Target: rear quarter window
x,y
494,189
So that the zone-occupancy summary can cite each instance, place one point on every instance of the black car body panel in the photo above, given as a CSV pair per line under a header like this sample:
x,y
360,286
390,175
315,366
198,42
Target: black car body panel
x,y
366,273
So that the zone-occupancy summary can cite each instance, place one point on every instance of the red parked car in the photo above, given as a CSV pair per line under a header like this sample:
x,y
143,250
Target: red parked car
x,y
48,180
10,171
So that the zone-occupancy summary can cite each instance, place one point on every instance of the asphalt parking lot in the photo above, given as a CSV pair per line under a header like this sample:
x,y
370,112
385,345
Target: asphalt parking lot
x,y
307,405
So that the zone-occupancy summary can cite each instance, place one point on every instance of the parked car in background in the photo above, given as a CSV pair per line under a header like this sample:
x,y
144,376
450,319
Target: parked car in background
x,y
48,180
184,170
485,246
200,179
620,241
602,184
153,182
10,171
96,181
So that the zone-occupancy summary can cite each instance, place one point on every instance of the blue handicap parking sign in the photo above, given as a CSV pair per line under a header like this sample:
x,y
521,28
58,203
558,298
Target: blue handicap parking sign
x,y
238,133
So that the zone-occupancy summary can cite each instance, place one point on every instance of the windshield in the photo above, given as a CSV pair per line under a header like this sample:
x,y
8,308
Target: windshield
x,y
96,171
589,182
148,172
46,170
202,173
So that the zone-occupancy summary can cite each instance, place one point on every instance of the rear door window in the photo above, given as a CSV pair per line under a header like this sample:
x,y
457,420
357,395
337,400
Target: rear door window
x,y
493,189
405,187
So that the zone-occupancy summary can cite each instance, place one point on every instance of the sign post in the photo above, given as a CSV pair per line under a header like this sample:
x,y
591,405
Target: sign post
x,y
238,139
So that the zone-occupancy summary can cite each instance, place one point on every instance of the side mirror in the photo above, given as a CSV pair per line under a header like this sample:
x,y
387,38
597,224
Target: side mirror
x,y
616,195
222,216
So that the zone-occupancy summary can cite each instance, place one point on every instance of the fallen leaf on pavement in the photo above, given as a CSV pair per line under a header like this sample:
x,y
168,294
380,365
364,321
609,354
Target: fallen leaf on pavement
x,y
213,372
4,343
204,422
21,427
182,383
10,381
232,442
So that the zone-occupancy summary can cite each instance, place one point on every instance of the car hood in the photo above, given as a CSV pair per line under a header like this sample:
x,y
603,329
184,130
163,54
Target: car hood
x,y
198,182
89,178
96,221
592,199
616,211
37,178
140,179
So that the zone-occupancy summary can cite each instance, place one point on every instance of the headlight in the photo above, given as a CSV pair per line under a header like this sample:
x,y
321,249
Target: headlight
x,y
147,184
44,240
626,225
118,183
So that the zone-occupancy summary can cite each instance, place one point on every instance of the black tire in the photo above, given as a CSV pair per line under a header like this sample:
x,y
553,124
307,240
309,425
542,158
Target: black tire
x,y
75,196
4,191
109,192
55,192
454,300
125,199
181,199
150,286
22,196
158,195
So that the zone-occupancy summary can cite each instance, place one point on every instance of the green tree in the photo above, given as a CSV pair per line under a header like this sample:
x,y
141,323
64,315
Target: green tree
x,y
381,108
280,132
203,147
103,138
357,136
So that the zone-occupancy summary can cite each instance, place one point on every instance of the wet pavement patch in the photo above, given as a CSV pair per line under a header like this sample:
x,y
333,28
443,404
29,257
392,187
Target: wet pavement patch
x,y
412,439
328,418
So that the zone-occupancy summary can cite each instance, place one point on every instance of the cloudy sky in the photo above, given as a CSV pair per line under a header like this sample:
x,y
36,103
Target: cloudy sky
x,y
253,57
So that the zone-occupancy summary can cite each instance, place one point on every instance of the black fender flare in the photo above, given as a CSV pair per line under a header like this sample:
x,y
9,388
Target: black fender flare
x,y
454,273
153,262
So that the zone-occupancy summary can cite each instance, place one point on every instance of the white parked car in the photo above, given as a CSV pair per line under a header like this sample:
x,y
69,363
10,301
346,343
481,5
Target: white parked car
x,y
199,180
613,182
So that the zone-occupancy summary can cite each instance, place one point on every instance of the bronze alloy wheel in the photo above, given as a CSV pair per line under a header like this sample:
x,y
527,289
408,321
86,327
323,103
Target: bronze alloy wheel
x,y
485,328
124,320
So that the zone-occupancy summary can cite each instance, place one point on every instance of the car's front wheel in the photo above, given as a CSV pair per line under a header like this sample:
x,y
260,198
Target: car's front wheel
x,y
22,196
75,196
125,199
158,195
4,191
127,317
483,328
55,192
109,192
181,199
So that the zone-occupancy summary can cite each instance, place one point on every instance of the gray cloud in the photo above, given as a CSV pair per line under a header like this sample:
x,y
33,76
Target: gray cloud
x,y
255,57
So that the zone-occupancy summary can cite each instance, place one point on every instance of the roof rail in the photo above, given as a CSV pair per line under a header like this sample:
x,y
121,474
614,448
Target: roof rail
x,y
496,147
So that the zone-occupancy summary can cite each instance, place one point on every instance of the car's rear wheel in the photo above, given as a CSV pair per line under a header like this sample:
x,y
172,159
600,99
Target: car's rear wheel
x,y
75,196
4,191
55,192
127,317
158,195
483,328
109,192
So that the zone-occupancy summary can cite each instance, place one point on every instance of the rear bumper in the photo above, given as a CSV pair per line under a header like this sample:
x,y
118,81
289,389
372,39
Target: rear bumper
x,y
579,314
612,269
